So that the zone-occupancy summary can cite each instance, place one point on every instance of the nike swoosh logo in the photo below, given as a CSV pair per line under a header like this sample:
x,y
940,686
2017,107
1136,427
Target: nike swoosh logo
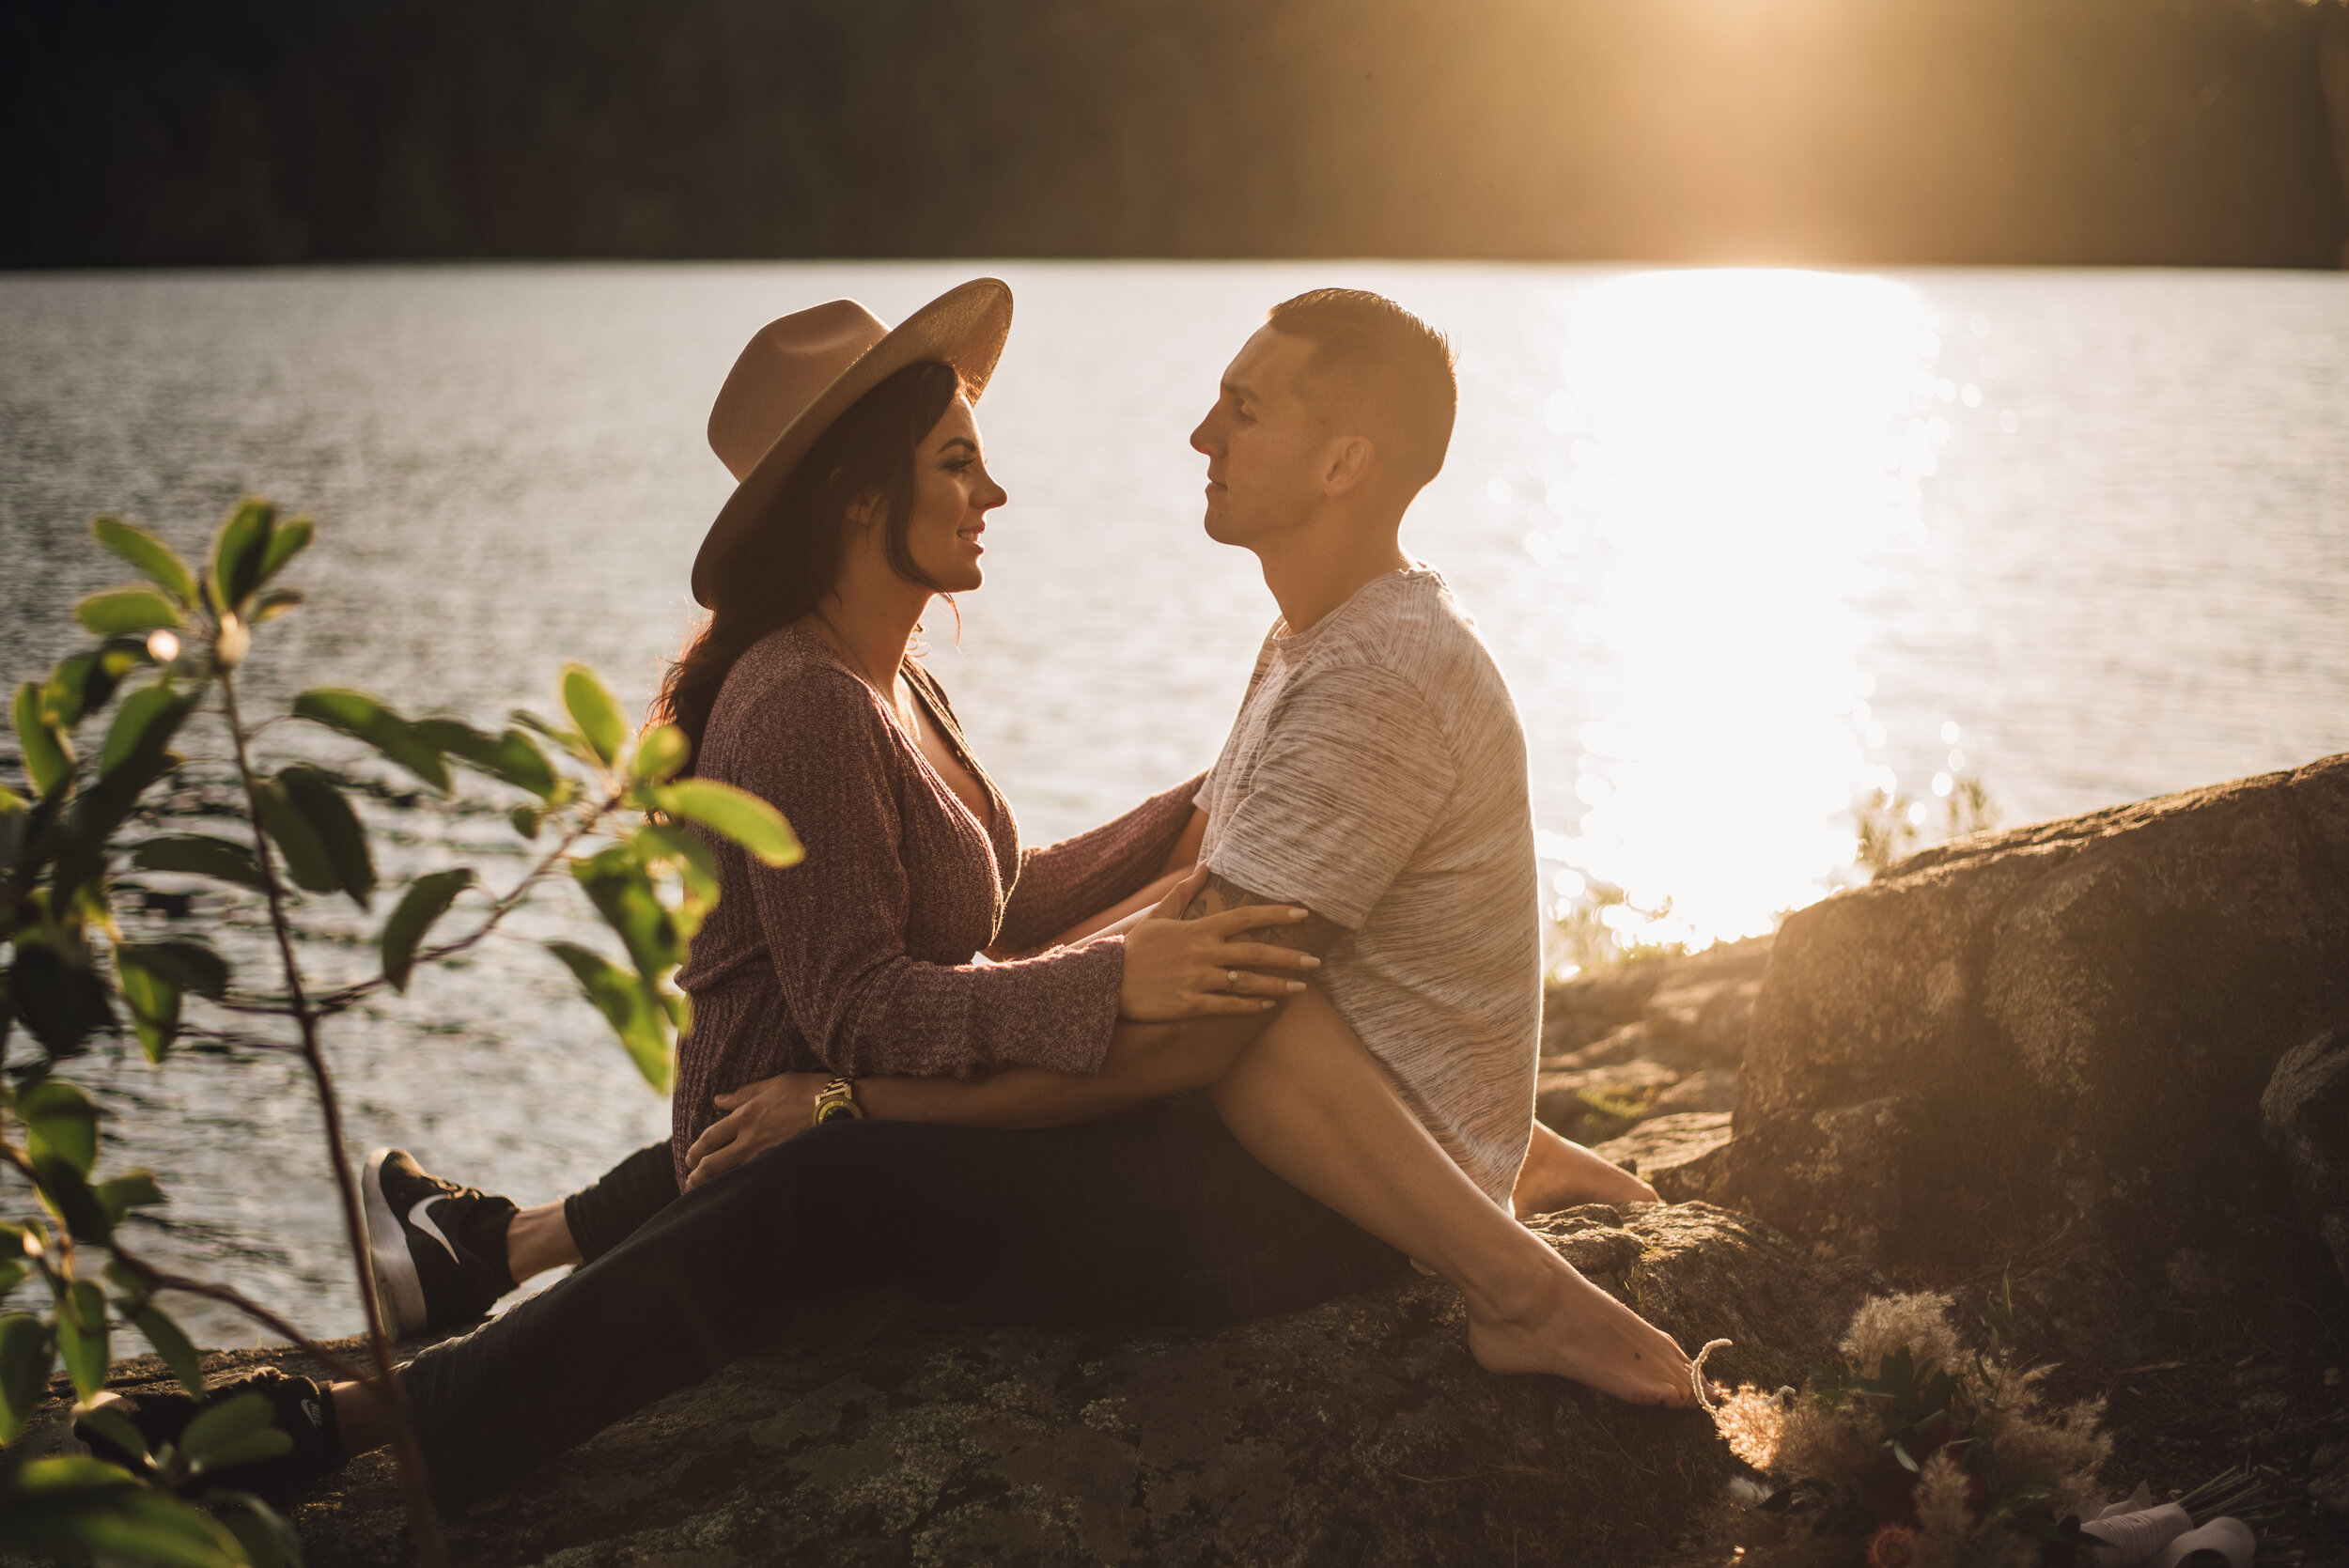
x,y
422,1221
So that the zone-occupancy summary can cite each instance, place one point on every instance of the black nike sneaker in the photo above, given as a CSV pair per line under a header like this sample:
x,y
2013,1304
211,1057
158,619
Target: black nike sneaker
x,y
298,1407
439,1248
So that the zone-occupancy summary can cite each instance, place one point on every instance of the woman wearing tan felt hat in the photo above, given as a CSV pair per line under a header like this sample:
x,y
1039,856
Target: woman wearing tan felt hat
x,y
1068,1133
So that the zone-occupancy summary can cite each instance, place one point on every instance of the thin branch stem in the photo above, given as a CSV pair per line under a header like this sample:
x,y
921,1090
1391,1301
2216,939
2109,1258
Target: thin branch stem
x,y
430,1550
159,1280
334,1001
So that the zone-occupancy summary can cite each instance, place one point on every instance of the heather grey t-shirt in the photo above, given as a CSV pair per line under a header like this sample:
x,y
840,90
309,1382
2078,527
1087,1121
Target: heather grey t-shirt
x,y
1376,773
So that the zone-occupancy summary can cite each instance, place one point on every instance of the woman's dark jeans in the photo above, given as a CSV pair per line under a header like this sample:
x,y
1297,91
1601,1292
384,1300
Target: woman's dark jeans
x,y
1156,1215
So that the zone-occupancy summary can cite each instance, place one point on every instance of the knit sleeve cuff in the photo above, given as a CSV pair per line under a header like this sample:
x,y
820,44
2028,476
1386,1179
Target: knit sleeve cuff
x,y
1054,1011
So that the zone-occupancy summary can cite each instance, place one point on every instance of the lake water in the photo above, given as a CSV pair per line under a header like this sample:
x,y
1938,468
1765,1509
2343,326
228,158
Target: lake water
x,y
1747,544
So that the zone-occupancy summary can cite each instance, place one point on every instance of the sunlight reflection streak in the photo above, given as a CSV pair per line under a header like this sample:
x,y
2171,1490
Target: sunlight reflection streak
x,y
1750,442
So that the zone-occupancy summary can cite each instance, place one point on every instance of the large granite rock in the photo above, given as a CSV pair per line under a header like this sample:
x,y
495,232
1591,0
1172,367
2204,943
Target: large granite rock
x,y
1358,1432
2063,1029
2304,1116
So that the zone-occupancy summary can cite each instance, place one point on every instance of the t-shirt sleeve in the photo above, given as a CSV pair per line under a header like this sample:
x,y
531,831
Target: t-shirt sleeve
x,y
1354,772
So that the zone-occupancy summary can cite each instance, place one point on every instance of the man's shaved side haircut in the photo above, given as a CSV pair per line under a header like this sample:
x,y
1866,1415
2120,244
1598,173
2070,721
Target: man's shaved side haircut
x,y
1378,364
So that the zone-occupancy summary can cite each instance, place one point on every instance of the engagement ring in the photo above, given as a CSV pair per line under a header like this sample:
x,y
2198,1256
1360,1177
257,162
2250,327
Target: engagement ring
x,y
1231,977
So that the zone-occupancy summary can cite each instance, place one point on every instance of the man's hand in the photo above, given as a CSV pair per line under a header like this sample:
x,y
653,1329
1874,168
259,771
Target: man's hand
x,y
758,1116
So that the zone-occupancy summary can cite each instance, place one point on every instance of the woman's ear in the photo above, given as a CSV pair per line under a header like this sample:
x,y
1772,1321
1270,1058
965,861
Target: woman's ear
x,y
866,510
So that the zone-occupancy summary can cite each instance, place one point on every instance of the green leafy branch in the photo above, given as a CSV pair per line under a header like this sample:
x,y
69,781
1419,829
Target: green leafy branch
x,y
169,648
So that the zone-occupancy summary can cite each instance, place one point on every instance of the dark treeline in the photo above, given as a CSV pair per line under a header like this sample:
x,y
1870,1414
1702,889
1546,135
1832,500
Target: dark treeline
x,y
2188,131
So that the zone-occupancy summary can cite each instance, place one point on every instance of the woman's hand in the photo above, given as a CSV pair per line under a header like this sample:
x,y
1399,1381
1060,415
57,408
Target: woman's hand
x,y
758,1116
1178,968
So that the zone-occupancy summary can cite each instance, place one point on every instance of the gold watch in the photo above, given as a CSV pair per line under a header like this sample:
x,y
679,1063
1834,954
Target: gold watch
x,y
836,1101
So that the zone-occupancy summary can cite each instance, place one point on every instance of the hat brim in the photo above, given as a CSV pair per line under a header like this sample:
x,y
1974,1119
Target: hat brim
x,y
965,327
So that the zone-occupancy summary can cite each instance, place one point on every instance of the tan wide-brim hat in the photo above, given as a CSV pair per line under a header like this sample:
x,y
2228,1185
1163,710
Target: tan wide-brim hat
x,y
804,371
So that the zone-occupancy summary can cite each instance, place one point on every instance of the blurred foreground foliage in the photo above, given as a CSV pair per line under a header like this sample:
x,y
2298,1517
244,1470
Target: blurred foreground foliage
x,y
96,741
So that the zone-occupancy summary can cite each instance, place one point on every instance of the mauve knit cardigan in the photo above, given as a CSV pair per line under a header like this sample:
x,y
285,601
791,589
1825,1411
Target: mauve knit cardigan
x,y
858,959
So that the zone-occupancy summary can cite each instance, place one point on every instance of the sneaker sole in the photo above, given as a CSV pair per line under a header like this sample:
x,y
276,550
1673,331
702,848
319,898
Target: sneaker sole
x,y
398,1289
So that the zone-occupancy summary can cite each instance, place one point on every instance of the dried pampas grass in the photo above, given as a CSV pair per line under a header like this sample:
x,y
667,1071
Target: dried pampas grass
x,y
1884,1324
1831,1450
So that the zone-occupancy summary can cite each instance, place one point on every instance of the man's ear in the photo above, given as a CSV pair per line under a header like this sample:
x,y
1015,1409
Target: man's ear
x,y
1350,462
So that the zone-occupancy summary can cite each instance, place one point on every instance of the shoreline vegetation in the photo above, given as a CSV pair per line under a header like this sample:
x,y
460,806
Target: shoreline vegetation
x,y
2178,133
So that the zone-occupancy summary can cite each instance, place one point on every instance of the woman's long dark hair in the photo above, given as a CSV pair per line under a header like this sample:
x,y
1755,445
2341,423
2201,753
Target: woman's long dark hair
x,y
785,570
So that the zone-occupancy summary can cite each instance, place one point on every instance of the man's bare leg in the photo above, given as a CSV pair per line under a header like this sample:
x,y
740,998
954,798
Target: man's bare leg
x,y
539,1239
1311,1103
1559,1173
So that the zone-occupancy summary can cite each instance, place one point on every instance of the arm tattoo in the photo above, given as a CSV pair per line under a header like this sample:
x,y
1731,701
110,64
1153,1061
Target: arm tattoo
x,y
1317,935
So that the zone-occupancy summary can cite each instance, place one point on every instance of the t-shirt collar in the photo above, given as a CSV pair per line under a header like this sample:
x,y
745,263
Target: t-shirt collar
x,y
1288,644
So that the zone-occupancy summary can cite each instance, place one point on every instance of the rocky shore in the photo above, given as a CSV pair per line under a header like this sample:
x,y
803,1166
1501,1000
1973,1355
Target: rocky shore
x,y
2107,1059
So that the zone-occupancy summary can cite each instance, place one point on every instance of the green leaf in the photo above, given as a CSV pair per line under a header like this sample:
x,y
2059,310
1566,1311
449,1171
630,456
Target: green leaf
x,y
187,964
61,1123
268,1443
56,993
76,1204
525,818
149,554
273,603
80,683
77,1509
117,611
736,815
48,755
299,845
223,1421
27,1353
154,1005
147,719
592,710
116,1427
173,1346
81,1338
198,855
510,757
130,1190
365,717
627,1004
616,882
661,751
268,1540
335,827
288,540
13,1272
238,550
427,899
697,867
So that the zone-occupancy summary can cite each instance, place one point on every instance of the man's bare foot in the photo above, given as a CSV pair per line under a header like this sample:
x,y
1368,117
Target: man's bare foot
x,y
1570,1327
1558,1174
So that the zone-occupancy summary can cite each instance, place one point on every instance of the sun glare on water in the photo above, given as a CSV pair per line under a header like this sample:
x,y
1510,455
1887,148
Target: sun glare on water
x,y
1741,448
